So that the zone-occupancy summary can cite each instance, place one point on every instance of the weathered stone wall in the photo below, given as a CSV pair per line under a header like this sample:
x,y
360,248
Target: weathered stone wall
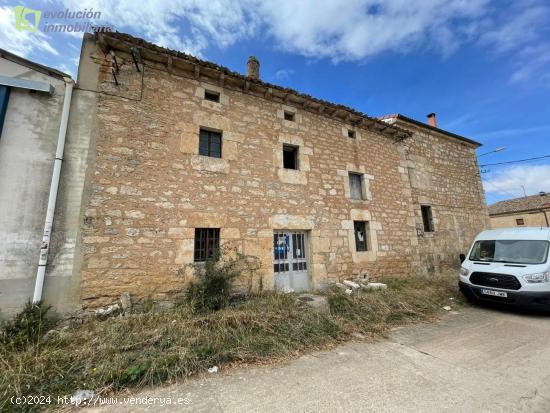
x,y
151,189
444,174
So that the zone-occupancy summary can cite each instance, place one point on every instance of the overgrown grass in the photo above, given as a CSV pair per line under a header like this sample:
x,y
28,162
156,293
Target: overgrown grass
x,y
155,347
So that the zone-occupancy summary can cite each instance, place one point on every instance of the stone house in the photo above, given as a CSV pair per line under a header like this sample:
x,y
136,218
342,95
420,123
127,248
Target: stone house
x,y
527,211
190,155
171,157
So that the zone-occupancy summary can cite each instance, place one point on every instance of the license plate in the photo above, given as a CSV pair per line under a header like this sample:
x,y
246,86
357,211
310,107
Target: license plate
x,y
494,293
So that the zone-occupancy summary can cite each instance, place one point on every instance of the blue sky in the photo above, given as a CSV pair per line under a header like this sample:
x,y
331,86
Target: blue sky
x,y
481,65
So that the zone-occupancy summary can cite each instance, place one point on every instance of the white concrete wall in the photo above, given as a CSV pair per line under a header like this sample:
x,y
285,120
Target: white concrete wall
x,y
27,151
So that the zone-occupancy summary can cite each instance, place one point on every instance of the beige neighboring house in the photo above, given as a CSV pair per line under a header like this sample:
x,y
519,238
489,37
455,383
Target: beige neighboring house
x,y
528,211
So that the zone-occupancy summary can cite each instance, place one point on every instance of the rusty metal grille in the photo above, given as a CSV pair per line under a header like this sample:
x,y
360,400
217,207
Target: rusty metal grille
x,y
207,243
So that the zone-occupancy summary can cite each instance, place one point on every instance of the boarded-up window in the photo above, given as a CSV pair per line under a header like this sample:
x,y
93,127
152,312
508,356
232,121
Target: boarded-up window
x,y
355,186
360,229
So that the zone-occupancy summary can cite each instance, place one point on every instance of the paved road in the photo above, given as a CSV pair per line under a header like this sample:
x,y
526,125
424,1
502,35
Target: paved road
x,y
474,360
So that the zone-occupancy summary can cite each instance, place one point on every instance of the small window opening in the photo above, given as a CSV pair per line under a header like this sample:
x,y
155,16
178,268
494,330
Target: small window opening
x,y
290,157
360,229
207,243
520,221
355,185
212,96
427,218
351,134
289,116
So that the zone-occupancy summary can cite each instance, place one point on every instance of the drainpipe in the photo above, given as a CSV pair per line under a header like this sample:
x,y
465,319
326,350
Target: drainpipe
x,y
44,249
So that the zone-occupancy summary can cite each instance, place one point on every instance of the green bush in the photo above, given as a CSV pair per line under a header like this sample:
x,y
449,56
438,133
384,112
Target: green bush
x,y
211,288
27,327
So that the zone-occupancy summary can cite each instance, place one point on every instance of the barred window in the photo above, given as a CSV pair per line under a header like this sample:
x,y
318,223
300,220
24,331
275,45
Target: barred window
x,y
210,143
207,243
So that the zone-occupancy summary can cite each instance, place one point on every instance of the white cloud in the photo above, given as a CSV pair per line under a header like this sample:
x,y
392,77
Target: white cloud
x,y
328,29
520,28
283,74
517,132
522,33
21,42
359,28
351,30
533,66
534,178
185,25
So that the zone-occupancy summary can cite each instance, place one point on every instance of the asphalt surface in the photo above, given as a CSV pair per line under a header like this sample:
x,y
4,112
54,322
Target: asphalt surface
x,y
473,360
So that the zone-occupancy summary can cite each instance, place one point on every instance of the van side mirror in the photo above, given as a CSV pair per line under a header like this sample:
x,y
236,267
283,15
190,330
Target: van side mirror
x,y
462,258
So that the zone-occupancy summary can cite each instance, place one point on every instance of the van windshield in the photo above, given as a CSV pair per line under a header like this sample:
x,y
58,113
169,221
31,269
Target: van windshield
x,y
510,251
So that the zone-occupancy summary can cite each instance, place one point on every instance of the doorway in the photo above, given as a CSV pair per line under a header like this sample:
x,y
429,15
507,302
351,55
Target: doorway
x,y
290,264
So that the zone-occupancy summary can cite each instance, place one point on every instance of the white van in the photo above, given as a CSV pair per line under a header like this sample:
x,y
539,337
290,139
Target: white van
x,y
508,265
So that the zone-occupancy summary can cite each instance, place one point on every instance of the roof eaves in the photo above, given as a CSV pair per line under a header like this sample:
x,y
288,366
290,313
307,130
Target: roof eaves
x,y
351,115
430,127
50,71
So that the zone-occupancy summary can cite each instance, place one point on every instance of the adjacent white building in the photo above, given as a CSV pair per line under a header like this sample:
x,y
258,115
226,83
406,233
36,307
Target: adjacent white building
x,y
31,106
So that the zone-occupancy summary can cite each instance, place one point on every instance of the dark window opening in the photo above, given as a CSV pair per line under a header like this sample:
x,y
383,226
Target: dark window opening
x,y
207,243
210,143
351,134
360,229
520,221
290,157
355,186
427,218
211,95
289,116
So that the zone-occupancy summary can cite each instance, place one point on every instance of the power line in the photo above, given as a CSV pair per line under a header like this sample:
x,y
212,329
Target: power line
x,y
519,160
